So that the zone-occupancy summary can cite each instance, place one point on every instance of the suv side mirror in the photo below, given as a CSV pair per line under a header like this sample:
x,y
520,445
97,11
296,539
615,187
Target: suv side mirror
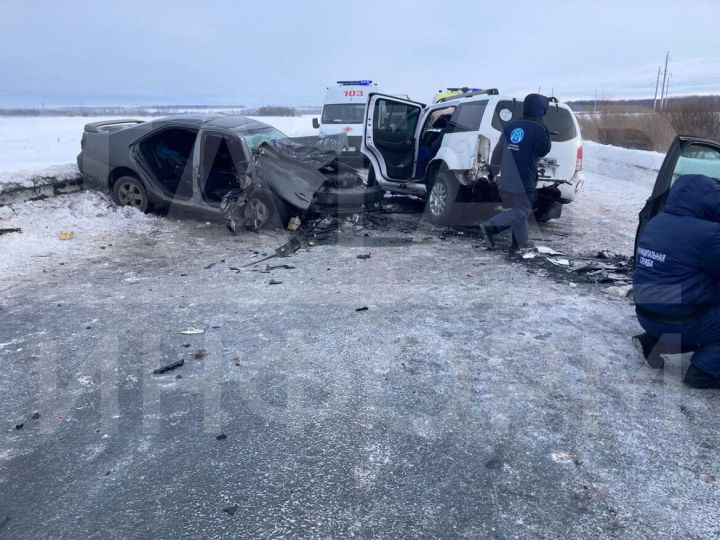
x,y
316,124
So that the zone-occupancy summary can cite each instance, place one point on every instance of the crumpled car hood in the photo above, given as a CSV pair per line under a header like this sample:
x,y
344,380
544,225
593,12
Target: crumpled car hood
x,y
315,151
289,167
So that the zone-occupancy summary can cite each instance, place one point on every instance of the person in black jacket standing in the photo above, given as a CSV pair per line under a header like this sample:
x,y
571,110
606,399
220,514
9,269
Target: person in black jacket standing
x,y
525,142
677,278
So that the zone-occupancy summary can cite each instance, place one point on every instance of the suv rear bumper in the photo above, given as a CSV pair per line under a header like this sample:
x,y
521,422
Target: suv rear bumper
x,y
567,190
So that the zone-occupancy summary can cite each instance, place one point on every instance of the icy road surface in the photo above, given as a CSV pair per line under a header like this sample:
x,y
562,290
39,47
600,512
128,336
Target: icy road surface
x,y
470,399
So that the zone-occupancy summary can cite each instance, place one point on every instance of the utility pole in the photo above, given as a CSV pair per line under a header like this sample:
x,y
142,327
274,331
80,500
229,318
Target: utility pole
x,y
595,105
667,90
657,85
667,59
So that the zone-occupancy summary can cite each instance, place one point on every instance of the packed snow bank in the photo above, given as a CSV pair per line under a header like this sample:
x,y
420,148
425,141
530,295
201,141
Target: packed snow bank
x,y
604,215
26,179
621,163
90,216
40,144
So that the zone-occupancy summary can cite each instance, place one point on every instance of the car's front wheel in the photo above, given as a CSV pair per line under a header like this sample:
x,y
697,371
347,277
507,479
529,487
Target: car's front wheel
x,y
442,197
263,210
129,191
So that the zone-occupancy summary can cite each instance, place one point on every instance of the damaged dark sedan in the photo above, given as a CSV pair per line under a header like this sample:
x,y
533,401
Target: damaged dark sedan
x,y
247,170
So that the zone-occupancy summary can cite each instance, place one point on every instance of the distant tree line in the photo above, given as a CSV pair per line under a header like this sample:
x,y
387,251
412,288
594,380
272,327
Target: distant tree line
x,y
271,110
160,110
634,123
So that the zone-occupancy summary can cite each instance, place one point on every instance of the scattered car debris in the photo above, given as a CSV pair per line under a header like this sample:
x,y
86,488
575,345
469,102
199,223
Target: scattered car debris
x,y
186,345
364,256
621,291
562,457
495,463
546,250
19,426
169,367
269,268
230,510
364,308
221,437
559,261
606,254
10,230
209,266
35,416
294,224
291,246
67,235
192,331
274,282
200,354
708,478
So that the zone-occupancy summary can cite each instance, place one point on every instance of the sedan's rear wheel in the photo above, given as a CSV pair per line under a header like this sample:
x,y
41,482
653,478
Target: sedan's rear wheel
x,y
129,191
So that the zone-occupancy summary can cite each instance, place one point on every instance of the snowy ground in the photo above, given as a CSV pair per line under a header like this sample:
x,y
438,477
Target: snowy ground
x,y
473,398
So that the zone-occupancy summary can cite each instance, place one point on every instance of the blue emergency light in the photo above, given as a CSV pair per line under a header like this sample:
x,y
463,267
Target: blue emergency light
x,y
354,83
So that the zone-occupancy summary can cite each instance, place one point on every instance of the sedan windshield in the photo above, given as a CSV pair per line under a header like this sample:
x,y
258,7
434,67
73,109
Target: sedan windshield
x,y
255,137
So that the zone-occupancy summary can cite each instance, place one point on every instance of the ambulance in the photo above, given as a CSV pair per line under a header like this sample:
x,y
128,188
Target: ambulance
x,y
344,112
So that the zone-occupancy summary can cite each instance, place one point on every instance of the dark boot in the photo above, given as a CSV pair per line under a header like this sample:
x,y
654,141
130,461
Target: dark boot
x,y
489,231
697,378
648,348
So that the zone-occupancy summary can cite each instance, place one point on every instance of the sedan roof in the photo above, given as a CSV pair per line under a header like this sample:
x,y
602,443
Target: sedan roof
x,y
235,122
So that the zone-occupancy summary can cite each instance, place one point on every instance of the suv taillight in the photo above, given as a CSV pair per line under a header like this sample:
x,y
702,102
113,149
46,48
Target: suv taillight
x,y
579,160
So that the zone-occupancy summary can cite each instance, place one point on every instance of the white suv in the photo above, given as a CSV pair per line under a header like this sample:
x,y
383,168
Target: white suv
x,y
448,152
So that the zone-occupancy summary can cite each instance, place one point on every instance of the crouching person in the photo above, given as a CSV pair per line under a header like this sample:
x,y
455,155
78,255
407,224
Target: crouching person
x,y
677,280
525,141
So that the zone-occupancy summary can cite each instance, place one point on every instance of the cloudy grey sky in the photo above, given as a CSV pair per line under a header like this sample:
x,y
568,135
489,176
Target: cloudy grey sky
x,y
258,52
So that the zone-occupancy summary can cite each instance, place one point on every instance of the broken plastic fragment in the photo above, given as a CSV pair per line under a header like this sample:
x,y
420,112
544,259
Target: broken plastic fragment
x,y
559,262
546,250
294,224
192,331
562,457
67,235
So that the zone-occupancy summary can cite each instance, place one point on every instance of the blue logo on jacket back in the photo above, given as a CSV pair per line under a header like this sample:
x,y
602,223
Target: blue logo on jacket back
x,y
517,135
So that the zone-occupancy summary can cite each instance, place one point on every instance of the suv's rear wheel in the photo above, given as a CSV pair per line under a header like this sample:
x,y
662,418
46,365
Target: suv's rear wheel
x,y
441,198
129,191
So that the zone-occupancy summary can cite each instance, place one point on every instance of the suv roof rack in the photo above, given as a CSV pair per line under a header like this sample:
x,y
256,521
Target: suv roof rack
x,y
466,92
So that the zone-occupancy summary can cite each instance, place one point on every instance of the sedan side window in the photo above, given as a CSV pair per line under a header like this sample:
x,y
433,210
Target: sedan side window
x,y
698,159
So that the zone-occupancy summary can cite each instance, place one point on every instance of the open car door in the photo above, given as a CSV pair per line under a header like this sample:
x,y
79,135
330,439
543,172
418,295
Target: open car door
x,y
389,138
687,155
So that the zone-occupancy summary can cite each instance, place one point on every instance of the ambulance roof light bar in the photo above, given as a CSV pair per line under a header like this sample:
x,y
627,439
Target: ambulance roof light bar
x,y
355,83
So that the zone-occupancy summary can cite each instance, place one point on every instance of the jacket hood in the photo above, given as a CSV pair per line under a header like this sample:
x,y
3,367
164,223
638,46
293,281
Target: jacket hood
x,y
535,106
695,195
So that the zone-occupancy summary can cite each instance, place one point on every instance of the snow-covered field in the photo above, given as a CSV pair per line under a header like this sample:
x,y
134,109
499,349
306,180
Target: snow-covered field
x,y
39,144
